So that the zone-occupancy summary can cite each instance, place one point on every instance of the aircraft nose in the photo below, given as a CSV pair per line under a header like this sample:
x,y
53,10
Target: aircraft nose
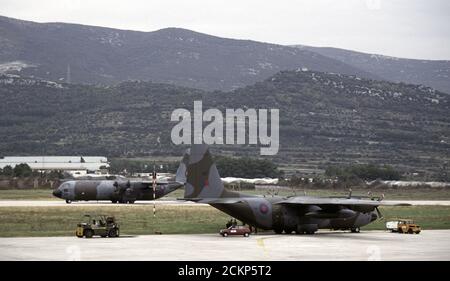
x,y
373,217
57,193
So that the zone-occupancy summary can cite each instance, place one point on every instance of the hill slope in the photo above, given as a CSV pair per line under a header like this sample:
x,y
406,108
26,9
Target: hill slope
x,y
433,73
325,119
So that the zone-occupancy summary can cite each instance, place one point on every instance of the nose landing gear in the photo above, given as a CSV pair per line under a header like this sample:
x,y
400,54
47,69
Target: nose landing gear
x,y
355,230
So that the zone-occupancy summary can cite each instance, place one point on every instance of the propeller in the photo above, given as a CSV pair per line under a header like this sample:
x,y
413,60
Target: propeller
x,y
378,211
380,215
121,187
123,191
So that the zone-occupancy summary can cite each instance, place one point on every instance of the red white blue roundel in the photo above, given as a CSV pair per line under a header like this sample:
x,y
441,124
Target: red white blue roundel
x,y
263,208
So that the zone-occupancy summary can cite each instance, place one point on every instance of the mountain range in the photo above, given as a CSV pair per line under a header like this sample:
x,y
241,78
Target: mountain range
x,y
97,55
69,89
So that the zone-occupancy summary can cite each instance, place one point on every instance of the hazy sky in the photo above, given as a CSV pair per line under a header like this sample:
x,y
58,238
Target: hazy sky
x,y
403,28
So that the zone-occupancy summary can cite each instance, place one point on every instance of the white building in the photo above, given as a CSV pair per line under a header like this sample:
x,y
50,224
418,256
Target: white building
x,y
62,163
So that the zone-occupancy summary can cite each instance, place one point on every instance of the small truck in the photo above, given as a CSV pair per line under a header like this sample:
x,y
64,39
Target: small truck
x,y
403,226
103,226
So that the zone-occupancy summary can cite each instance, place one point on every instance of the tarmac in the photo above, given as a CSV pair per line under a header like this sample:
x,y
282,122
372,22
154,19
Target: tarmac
x,y
324,245
52,203
49,203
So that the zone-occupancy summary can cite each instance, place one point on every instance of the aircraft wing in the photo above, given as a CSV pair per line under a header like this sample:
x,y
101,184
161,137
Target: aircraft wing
x,y
147,182
215,200
338,201
149,185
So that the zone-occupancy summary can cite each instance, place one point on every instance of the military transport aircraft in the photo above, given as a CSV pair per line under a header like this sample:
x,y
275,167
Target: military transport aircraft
x,y
118,190
301,214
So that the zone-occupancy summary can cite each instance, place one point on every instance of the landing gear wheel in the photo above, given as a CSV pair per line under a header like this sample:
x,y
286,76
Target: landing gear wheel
x,y
88,233
225,234
114,201
288,230
68,201
245,234
355,230
113,233
278,231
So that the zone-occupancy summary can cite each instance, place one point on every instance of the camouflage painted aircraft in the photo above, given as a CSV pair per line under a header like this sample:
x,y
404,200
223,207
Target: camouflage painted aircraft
x,y
301,214
118,191
115,191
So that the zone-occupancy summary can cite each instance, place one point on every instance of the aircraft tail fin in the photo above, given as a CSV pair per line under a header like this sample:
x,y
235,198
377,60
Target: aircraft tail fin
x,y
203,179
182,168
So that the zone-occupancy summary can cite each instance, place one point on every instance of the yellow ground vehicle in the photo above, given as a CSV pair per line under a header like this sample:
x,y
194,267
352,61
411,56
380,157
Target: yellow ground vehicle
x,y
403,226
104,226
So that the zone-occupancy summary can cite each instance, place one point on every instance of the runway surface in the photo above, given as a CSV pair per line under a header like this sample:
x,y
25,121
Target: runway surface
x,y
49,203
324,245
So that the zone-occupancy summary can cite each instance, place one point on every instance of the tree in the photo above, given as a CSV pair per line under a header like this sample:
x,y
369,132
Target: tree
x,y
8,171
22,170
247,168
364,172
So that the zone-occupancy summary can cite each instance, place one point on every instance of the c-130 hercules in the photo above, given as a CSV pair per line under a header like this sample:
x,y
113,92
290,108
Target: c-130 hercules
x,y
117,191
301,214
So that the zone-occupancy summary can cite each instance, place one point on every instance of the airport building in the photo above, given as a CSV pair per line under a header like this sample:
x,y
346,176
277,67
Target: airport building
x,y
80,164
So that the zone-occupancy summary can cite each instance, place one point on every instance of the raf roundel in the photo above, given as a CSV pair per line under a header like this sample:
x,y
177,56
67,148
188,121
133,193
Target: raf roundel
x,y
263,208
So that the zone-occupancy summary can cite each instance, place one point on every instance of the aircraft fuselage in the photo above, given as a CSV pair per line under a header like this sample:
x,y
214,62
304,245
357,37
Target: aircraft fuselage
x,y
265,213
114,191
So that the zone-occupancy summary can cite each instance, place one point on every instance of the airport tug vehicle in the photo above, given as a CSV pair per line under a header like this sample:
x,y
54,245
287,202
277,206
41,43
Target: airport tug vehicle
x,y
403,226
103,226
